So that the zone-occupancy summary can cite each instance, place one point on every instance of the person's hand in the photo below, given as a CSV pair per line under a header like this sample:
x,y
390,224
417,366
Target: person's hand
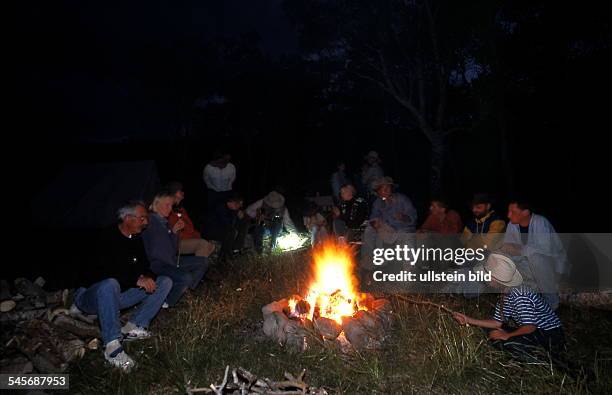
x,y
147,283
498,334
178,226
462,319
336,212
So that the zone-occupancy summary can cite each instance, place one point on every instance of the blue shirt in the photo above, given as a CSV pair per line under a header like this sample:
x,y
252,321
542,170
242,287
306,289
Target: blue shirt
x,y
526,307
388,210
160,243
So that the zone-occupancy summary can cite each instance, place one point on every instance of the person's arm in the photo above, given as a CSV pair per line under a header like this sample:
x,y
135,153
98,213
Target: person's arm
x,y
232,175
251,211
288,223
501,334
160,246
465,319
208,179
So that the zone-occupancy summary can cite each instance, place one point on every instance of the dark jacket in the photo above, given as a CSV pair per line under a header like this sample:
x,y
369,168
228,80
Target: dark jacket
x,y
353,212
160,243
120,257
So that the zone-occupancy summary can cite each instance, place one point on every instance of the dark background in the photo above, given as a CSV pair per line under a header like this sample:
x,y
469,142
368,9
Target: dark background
x,y
174,81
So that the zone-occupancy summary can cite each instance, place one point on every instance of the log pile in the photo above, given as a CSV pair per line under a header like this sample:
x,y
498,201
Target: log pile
x,y
243,382
365,329
38,332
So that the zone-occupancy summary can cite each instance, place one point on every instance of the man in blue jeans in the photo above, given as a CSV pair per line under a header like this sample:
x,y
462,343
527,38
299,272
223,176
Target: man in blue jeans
x,y
121,260
162,245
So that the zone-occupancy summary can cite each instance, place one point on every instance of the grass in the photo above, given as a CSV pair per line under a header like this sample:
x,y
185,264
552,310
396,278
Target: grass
x,y
426,352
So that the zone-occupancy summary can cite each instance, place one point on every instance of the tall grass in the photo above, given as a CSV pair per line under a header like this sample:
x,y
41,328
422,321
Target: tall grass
x,y
426,352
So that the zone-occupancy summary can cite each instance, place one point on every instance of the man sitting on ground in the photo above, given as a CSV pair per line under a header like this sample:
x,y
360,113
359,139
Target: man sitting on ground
x,y
486,228
161,245
350,214
128,281
392,221
537,250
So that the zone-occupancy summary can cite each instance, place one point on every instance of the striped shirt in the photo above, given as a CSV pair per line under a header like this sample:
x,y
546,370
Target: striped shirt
x,y
526,307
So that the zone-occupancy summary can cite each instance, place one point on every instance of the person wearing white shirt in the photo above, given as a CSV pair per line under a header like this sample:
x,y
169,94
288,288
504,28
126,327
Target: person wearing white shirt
x,y
219,176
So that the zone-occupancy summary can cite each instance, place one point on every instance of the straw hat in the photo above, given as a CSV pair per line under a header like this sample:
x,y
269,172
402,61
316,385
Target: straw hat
x,y
503,270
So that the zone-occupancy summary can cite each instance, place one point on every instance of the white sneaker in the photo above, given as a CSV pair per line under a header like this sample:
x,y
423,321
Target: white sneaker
x,y
165,305
133,332
117,357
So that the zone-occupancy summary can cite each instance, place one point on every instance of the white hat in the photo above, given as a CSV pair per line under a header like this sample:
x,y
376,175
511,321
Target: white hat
x,y
503,270
274,200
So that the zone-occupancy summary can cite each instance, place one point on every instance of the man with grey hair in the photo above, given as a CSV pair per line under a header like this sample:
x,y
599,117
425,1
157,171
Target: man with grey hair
x,y
121,262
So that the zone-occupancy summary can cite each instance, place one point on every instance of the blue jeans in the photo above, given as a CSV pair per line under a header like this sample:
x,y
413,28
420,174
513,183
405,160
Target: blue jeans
x,y
274,227
188,274
105,299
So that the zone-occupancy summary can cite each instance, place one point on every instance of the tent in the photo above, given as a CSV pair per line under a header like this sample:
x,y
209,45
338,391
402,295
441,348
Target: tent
x,y
87,196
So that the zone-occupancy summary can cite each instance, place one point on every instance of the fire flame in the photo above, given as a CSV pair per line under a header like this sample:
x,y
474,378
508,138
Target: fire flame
x,y
333,291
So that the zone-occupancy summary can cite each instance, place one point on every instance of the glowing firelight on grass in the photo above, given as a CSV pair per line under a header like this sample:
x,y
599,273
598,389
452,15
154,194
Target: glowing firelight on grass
x,y
291,241
333,291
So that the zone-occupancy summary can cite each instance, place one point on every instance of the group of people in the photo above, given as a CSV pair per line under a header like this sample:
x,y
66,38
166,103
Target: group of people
x,y
154,253
525,256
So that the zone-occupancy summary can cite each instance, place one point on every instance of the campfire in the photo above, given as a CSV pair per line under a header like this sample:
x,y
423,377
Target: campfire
x,y
332,308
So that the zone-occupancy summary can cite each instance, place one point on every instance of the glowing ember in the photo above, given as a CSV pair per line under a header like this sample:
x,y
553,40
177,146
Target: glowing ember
x,y
332,293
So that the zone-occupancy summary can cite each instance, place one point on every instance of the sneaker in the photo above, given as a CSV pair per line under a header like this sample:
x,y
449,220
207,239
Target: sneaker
x,y
133,332
165,305
117,357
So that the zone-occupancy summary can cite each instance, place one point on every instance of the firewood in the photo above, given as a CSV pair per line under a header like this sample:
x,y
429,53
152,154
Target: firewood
x,y
7,306
18,365
77,327
276,306
28,288
327,328
18,316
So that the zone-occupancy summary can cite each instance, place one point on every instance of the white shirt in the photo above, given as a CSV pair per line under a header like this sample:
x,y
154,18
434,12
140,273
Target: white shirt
x,y
219,180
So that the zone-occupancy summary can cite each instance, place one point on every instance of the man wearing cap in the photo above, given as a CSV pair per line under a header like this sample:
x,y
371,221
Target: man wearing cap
x,y
534,245
486,228
392,221
522,318
270,214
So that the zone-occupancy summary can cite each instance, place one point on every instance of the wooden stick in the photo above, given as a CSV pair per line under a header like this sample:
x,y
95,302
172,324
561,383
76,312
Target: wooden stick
x,y
424,302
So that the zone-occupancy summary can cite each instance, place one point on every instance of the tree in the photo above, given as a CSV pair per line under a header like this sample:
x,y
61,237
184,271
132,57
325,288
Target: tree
x,y
419,52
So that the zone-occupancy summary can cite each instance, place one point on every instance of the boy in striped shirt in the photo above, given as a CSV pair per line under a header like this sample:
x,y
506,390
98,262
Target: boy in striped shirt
x,y
537,324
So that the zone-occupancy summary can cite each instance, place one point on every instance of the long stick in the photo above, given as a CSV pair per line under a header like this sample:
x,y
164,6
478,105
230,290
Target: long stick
x,y
424,302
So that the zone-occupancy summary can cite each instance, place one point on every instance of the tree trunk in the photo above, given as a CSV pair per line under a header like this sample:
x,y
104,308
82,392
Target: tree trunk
x,y
439,150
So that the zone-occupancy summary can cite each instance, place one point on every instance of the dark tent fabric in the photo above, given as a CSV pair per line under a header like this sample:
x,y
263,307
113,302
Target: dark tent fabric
x,y
88,195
